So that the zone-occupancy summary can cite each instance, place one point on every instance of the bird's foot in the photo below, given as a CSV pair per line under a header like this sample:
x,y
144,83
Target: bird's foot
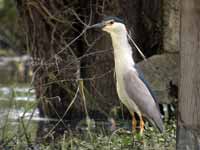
x,y
141,126
134,124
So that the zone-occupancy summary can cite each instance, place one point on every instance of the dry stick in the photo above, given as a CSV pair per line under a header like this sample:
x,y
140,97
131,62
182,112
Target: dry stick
x,y
77,59
48,13
81,85
138,49
78,18
83,96
81,21
25,133
68,45
63,49
91,12
84,30
73,100
85,55
75,79
54,109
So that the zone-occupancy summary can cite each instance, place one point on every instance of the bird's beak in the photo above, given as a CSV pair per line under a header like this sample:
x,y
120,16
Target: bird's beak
x,y
98,25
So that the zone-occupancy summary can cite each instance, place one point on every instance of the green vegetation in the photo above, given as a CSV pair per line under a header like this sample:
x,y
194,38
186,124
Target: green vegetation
x,y
72,140
21,132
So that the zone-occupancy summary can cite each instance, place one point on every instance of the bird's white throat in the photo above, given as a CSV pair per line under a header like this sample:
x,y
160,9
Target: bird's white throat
x,y
122,52
123,64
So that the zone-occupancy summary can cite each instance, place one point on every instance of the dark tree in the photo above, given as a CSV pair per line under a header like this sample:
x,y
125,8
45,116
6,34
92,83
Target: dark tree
x,y
188,132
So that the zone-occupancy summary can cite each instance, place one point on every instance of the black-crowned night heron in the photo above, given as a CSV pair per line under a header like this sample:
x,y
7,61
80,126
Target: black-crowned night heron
x,y
132,89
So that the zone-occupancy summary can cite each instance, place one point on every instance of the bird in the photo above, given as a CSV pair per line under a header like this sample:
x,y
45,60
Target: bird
x,y
132,89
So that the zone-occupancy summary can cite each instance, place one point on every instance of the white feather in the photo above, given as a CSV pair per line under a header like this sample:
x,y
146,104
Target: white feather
x,y
123,64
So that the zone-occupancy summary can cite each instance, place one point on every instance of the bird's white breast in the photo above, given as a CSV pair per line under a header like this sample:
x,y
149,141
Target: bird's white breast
x,y
122,93
123,63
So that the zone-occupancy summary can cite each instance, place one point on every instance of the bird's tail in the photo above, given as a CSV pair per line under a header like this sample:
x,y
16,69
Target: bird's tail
x,y
157,121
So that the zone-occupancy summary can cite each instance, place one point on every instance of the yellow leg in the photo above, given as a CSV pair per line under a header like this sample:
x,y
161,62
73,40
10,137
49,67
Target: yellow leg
x,y
141,125
134,123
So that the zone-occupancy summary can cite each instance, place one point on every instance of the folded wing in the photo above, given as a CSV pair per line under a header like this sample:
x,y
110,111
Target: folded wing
x,y
140,94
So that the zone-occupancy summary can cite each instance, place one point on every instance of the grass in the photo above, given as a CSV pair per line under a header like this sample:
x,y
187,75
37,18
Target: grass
x,y
23,133
20,136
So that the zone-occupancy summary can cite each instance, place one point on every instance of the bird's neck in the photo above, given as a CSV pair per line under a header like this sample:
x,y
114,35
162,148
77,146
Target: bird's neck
x,y
122,52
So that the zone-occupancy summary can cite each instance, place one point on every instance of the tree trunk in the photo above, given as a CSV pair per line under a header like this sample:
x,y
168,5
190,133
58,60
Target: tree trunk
x,y
188,132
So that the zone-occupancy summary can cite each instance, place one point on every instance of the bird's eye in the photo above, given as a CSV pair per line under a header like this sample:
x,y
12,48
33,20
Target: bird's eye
x,y
111,22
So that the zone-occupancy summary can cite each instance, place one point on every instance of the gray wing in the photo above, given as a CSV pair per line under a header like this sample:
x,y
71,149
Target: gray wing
x,y
140,94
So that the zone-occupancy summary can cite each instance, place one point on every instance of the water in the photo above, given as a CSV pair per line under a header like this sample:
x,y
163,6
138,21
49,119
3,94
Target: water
x,y
17,101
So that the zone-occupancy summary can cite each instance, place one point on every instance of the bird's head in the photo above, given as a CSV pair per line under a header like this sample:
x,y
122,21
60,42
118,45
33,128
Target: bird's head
x,y
111,25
